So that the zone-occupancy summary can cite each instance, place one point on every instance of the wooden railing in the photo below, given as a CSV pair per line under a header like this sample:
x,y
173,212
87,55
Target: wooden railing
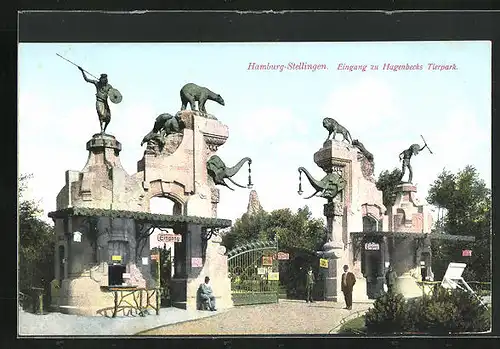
x,y
132,301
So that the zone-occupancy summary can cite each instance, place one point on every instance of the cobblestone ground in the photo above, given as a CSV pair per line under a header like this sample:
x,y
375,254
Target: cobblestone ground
x,y
286,317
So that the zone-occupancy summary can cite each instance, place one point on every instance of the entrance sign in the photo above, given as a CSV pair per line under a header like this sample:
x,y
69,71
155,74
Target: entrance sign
x,y
169,237
323,263
283,256
466,253
274,276
196,262
372,246
116,258
267,261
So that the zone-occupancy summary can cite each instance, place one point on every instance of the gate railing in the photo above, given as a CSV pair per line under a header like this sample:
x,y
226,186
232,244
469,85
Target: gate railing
x,y
251,267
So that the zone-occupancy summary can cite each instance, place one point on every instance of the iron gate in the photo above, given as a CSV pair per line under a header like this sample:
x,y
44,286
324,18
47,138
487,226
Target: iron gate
x,y
253,269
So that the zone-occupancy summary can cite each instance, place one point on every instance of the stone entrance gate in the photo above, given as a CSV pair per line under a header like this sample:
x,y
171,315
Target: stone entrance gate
x,y
109,210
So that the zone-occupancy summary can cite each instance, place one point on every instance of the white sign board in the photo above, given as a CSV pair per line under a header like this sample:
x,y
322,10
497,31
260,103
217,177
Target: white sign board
x,y
261,271
372,246
145,260
454,271
169,237
126,275
453,275
77,236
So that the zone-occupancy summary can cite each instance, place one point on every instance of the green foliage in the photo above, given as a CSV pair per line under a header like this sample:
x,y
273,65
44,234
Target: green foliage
x,y
354,326
453,311
465,202
444,311
387,182
36,244
388,315
298,234
292,229
165,272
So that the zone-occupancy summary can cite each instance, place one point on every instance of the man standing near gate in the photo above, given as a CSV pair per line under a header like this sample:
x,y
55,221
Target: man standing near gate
x,y
348,281
310,280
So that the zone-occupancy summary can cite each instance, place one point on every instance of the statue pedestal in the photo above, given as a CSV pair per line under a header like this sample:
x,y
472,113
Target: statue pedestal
x,y
407,285
334,252
408,214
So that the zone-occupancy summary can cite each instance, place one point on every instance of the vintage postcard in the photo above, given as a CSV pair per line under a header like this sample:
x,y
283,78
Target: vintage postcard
x,y
254,188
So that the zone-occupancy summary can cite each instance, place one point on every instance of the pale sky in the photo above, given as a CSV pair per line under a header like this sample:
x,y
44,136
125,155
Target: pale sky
x,y
273,117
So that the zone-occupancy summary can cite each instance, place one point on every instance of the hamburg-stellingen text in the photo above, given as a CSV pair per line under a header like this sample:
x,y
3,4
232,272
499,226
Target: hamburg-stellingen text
x,y
289,66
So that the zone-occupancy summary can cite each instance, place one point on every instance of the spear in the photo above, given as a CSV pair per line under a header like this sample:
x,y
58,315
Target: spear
x,y
430,151
76,65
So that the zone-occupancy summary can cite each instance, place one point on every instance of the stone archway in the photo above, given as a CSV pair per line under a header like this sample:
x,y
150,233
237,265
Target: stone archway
x,y
173,191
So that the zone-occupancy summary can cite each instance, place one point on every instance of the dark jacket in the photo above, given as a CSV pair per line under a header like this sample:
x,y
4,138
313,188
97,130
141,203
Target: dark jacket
x,y
310,280
350,280
390,278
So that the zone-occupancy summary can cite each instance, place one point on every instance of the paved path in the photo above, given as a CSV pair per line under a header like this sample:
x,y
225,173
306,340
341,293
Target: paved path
x,y
285,317
57,324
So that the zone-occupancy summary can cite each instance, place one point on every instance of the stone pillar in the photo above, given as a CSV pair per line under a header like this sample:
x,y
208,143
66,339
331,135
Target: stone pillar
x,y
333,250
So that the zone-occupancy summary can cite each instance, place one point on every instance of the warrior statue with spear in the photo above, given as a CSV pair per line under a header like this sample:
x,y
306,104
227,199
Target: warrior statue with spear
x,y
406,155
103,91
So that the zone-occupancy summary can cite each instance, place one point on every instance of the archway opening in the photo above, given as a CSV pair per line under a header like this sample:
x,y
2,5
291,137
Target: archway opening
x,y
165,243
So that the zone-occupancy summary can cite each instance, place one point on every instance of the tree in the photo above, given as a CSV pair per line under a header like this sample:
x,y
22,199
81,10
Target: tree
x,y
465,205
297,230
298,234
36,243
387,182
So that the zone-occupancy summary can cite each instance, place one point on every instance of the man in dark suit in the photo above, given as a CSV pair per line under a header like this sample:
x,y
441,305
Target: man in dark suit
x,y
348,281
310,280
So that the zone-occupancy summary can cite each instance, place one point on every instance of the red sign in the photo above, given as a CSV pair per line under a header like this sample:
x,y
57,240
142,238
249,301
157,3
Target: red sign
x,y
267,261
283,256
466,253
169,238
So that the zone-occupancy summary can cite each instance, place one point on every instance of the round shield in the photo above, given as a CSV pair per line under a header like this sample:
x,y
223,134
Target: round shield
x,y
114,95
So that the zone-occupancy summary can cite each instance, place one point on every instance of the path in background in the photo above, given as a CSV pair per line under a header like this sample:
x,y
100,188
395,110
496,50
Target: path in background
x,y
285,317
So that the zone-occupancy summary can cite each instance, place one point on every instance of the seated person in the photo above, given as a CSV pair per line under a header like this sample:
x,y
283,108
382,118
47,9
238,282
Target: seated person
x,y
206,294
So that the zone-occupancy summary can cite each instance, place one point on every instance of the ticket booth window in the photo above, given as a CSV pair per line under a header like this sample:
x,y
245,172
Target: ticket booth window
x,y
115,274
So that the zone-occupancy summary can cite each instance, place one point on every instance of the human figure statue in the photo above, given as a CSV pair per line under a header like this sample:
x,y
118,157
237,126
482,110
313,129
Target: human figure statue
x,y
406,155
206,294
104,89
348,281
390,279
310,281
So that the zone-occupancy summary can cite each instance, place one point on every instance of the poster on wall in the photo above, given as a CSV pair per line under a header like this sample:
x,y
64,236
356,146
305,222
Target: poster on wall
x,y
261,271
267,261
274,276
196,262
323,263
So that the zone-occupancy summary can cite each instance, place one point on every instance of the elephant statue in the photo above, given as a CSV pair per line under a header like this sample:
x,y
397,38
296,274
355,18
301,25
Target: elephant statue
x,y
218,171
329,187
